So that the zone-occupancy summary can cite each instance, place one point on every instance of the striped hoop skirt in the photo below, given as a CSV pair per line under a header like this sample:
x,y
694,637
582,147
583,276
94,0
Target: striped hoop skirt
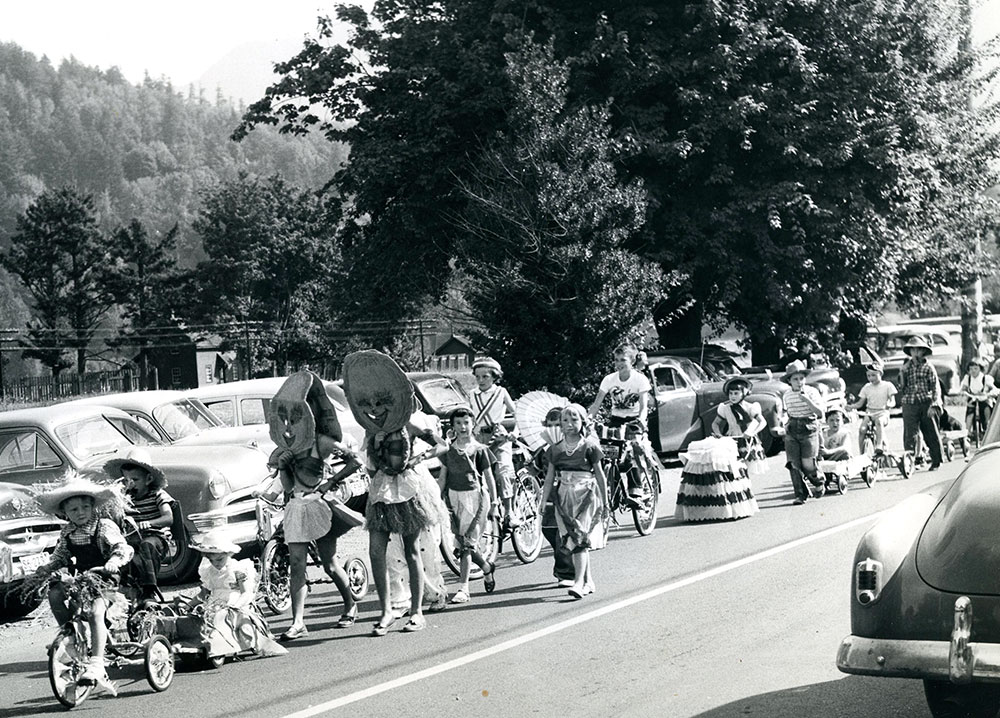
x,y
715,484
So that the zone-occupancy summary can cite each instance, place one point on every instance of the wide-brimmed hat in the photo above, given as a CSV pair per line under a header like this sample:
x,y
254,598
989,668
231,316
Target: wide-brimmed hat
x,y
737,382
488,363
51,499
373,378
916,342
139,457
796,367
214,541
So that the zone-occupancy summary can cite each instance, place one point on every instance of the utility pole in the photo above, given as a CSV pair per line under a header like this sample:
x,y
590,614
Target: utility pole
x,y
972,297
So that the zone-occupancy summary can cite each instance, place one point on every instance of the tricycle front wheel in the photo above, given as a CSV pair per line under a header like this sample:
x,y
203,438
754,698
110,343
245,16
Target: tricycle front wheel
x,y
159,663
67,659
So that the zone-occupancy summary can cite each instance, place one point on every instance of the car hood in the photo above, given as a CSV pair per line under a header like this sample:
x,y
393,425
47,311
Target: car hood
x,y
763,384
240,465
959,548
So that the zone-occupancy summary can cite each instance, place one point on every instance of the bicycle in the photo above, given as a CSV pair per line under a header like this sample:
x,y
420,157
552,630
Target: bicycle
x,y
882,459
525,538
131,630
623,454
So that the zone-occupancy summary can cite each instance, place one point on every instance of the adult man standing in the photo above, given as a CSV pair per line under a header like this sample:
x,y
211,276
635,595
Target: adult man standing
x,y
920,399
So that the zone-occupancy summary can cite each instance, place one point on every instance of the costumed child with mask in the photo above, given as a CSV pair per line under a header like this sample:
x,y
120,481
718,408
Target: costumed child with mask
x,y
303,423
403,497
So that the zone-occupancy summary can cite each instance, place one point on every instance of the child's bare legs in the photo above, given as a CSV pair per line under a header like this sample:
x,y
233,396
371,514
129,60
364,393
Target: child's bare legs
x,y
327,548
411,551
863,429
465,567
98,630
377,543
297,553
581,564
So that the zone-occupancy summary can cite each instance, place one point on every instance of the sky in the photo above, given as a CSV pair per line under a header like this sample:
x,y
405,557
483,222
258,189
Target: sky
x,y
178,39
181,39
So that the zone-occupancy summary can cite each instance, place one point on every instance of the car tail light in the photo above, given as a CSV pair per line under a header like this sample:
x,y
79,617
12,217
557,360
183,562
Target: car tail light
x,y
868,581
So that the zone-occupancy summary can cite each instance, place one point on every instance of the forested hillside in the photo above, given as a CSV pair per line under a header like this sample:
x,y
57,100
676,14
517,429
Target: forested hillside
x,y
143,151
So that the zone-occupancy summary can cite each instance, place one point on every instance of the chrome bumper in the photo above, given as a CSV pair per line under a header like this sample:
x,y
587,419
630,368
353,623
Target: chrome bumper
x,y
957,660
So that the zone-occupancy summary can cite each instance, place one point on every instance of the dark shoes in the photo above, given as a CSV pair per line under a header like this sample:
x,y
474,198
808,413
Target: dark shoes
x,y
934,466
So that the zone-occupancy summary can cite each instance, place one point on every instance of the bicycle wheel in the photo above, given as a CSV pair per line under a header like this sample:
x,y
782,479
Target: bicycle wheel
x,y
906,464
67,659
527,538
489,547
644,510
275,571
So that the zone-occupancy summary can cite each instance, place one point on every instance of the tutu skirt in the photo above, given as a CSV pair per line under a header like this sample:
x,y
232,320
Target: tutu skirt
x,y
306,519
714,484
578,511
404,517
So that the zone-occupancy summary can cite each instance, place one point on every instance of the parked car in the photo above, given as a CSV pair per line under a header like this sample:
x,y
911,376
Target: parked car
x,y
39,445
27,538
925,597
175,417
685,405
245,403
946,356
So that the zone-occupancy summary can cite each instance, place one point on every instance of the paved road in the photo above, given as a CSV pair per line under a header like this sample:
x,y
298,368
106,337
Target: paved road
x,y
722,619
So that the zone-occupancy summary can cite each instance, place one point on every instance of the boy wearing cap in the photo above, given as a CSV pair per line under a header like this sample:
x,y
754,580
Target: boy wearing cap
x,y
920,400
875,398
836,437
91,544
804,407
979,391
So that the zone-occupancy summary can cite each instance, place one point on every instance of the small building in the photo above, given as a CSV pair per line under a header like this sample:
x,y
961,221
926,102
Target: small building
x,y
453,354
178,361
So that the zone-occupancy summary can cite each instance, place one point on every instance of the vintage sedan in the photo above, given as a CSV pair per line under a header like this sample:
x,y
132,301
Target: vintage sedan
x,y
685,401
175,417
946,352
925,592
39,445
27,538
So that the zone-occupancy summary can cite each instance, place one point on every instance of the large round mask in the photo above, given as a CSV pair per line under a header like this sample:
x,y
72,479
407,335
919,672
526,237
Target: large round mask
x,y
298,410
380,396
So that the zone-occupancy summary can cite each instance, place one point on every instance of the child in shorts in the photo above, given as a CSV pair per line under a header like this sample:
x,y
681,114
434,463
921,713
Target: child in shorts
x,y
875,398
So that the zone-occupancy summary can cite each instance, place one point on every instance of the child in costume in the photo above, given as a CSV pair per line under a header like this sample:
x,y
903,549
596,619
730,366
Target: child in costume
x,y
980,392
804,406
151,511
740,419
470,490
581,494
562,568
490,404
231,623
92,548
303,423
403,498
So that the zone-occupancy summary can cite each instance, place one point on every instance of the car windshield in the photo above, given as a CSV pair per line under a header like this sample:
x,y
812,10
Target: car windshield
x,y
693,370
98,435
184,417
442,394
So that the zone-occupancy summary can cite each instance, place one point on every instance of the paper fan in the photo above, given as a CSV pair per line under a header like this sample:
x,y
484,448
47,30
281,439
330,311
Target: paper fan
x,y
530,411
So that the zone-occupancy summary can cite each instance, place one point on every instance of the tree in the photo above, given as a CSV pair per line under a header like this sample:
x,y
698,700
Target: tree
x,y
271,262
145,283
62,259
549,274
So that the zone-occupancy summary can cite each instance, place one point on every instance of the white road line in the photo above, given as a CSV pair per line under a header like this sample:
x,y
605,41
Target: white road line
x,y
568,623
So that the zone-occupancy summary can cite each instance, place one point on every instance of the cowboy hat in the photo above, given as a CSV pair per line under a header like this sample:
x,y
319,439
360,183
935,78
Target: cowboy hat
x,y
916,342
50,501
736,382
796,367
214,541
135,457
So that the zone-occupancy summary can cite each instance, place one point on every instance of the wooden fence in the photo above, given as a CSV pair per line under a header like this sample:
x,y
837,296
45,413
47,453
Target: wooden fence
x,y
42,389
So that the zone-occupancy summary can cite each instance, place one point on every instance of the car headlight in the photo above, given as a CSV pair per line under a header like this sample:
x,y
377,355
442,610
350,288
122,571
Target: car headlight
x,y
868,581
218,484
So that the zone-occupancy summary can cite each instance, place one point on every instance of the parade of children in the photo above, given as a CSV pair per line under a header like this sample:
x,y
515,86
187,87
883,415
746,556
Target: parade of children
x,y
411,518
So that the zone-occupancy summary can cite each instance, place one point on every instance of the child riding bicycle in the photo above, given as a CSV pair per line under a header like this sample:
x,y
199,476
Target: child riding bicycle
x,y
92,548
980,393
876,398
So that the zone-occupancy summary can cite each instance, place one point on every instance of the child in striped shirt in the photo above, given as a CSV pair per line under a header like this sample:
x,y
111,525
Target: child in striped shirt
x,y
804,407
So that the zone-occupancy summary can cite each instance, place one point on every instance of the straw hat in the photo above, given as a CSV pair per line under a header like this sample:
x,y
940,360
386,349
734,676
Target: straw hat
x,y
214,541
796,367
136,456
737,382
51,500
372,380
917,342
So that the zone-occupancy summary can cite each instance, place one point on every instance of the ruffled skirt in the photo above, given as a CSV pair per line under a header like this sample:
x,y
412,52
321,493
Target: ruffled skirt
x,y
469,513
234,631
715,484
578,511
407,517
306,519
